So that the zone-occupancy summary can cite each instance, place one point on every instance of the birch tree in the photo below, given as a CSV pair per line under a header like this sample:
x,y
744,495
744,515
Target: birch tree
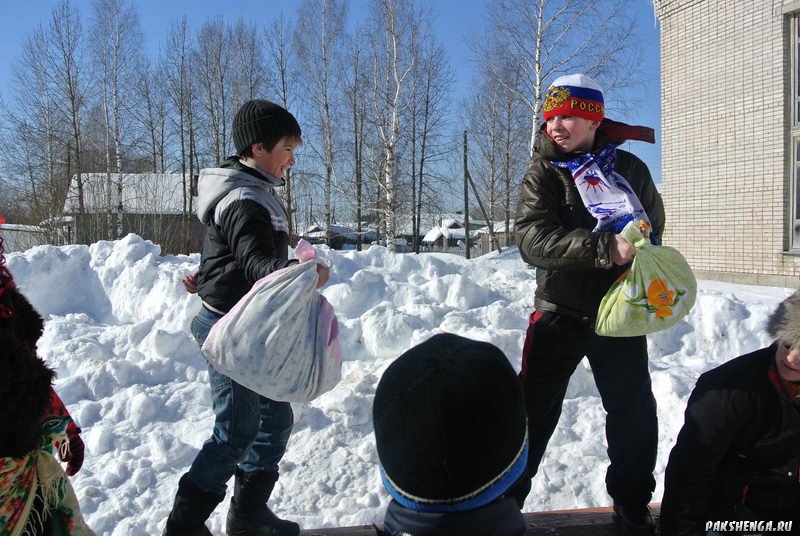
x,y
433,84
151,114
116,46
281,81
497,123
212,66
484,129
355,95
63,61
318,41
177,67
394,38
513,154
36,133
248,75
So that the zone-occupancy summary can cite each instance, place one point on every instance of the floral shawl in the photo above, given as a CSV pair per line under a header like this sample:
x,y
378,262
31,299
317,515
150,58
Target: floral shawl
x,y
39,474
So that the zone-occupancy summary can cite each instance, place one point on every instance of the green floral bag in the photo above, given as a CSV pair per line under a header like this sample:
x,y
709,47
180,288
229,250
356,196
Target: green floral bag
x,y
654,294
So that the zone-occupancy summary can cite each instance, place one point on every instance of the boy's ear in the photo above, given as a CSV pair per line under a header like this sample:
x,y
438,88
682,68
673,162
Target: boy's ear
x,y
594,125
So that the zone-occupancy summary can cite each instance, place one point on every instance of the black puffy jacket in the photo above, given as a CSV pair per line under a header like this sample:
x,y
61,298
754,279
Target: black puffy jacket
x,y
554,230
739,447
246,231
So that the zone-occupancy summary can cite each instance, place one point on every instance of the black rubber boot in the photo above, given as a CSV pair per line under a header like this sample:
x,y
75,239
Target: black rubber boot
x,y
249,514
636,520
191,509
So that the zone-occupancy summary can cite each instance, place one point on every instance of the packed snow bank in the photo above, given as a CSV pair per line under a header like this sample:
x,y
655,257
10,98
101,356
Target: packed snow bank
x,y
133,377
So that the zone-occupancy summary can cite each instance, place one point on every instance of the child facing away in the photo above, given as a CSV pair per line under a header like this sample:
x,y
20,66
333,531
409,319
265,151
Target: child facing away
x,y
452,439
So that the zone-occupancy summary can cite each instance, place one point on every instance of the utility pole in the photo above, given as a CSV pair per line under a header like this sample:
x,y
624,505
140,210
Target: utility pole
x,y
466,198
490,223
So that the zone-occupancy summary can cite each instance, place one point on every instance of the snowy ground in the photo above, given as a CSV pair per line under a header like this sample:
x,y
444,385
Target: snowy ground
x,y
134,379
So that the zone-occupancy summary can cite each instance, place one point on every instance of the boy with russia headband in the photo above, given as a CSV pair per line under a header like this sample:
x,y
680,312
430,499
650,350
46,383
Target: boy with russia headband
x,y
577,195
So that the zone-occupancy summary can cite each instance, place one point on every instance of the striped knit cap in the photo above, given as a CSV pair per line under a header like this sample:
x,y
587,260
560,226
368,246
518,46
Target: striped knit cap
x,y
576,95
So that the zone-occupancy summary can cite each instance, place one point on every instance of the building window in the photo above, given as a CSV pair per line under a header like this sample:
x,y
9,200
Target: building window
x,y
794,190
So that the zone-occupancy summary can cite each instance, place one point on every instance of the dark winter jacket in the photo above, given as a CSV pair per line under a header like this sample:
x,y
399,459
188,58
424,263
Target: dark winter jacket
x,y
739,447
246,231
554,230
500,518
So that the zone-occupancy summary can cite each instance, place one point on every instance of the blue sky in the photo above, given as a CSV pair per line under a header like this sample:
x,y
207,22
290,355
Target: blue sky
x,y
454,19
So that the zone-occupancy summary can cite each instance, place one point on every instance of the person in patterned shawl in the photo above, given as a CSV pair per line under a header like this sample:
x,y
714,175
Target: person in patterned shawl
x,y
36,497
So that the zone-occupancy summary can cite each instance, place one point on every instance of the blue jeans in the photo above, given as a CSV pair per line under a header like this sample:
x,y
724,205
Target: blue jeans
x,y
250,431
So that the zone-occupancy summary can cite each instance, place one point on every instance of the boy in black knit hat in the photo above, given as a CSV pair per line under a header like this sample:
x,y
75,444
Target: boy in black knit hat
x,y
451,435
247,238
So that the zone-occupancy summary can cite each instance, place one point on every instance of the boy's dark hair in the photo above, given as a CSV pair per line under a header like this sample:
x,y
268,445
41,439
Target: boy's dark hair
x,y
262,121
268,144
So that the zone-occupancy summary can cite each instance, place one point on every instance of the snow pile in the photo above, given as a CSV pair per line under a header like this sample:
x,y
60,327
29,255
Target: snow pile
x,y
134,379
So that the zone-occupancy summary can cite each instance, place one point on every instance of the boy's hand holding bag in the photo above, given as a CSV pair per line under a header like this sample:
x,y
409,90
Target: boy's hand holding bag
x,y
281,339
654,294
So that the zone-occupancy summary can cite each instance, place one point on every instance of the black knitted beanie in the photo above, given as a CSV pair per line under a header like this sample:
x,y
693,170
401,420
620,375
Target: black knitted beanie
x,y
450,425
259,120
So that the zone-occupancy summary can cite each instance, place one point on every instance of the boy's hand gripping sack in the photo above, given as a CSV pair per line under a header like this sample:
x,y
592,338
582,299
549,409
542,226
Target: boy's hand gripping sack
x,y
281,339
654,294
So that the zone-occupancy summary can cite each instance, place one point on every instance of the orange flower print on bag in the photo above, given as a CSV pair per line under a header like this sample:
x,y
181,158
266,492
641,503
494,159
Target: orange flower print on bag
x,y
660,297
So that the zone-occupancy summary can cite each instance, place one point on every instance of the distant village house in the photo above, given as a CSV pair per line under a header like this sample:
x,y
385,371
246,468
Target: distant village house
x,y
153,206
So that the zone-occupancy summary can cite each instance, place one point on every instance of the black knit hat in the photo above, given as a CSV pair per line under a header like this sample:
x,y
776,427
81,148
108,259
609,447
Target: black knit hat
x,y
261,120
450,425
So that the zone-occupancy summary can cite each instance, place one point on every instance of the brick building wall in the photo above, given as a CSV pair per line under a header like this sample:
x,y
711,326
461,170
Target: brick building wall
x,y
725,177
